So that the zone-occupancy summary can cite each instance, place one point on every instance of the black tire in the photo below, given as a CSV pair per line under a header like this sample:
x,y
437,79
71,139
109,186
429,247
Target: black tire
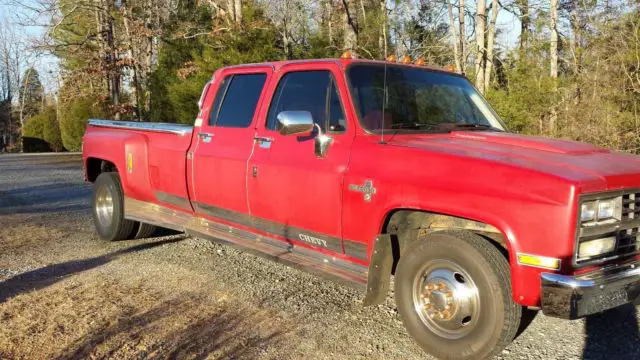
x,y
110,226
144,230
497,316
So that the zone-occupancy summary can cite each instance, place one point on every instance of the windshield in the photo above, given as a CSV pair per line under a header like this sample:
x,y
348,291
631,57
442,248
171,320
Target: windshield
x,y
418,100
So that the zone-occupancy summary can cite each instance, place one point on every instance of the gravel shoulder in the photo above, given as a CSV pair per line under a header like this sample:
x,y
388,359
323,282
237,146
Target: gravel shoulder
x,y
65,294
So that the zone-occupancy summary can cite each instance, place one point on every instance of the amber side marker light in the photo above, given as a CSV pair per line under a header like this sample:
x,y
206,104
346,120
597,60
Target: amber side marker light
x,y
450,68
347,55
539,261
392,58
406,59
419,62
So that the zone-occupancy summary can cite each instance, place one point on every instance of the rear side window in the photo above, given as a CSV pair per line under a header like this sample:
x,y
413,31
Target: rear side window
x,y
238,95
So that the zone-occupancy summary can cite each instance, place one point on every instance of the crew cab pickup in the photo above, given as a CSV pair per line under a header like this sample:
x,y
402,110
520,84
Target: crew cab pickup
x,y
361,171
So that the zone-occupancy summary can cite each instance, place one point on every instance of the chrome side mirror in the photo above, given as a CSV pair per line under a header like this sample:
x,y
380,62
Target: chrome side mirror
x,y
295,122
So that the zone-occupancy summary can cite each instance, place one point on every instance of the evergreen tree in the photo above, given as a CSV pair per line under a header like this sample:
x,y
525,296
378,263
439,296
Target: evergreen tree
x,y
31,94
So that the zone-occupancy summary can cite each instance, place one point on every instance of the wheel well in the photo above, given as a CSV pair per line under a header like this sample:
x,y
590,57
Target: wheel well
x,y
96,166
405,226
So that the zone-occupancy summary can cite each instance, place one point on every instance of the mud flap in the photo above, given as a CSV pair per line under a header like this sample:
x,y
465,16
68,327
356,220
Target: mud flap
x,y
379,277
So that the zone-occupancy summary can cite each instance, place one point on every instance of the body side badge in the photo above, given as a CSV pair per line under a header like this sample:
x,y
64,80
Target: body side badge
x,y
367,189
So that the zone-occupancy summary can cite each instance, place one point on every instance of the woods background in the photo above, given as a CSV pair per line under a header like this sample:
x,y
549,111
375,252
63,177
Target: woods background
x,y
571,71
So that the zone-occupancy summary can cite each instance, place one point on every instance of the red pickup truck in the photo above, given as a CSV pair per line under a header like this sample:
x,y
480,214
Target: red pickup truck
x,y
364,171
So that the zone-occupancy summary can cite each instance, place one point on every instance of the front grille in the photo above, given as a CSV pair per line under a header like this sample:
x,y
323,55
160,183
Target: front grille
x,y
625,231
627,242
630,206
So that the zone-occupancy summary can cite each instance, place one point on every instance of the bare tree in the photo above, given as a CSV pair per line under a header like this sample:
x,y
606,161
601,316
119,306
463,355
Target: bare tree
x,y
481,25
491,37
350,23
553,56
525,22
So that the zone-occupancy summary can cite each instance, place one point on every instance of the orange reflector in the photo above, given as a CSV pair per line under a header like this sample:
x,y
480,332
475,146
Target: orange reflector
x,y
419,62
406,59
450,68
392,58
347,55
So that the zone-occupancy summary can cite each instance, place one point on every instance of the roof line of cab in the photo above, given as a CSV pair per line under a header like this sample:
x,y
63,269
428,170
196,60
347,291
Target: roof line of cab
x,y
275,65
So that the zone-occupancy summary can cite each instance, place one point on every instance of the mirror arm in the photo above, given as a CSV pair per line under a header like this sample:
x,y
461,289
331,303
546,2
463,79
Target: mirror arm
x,y
319,129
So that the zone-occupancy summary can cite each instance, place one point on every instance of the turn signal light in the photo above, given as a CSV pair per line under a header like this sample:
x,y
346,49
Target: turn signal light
x,y
347,55
539,261
392,58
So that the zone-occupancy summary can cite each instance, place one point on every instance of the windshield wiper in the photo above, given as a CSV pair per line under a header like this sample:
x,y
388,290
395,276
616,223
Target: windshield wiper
x,y
471,127
417,126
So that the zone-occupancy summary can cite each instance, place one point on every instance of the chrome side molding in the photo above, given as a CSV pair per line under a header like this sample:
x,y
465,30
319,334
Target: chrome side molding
x,y
176,129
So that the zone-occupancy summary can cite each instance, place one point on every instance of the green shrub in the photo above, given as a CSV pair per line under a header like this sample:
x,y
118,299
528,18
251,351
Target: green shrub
x,y
51,129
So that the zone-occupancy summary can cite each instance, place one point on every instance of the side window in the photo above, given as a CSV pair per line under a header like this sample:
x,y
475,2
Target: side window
x,y
312,91
239,100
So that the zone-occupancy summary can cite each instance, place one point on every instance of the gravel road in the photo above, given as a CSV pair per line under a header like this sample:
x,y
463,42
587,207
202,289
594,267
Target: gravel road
x,y
66,294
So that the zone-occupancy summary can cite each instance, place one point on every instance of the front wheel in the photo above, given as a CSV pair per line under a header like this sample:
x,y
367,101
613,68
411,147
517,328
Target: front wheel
x,y
453,293
108,209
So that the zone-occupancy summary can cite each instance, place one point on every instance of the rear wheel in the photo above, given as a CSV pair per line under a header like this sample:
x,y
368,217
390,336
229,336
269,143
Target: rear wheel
x,y
453,292
144,230
108,209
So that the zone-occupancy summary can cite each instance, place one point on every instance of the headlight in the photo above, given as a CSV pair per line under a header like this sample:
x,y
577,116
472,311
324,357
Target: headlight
x,y
596,247
588,211
601,210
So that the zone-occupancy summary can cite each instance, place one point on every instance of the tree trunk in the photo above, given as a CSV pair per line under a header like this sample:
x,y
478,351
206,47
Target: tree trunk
x,y
481,23
350,24
133,63
574,39
462,39
454,35
382,40
237,4
113,69
553,56
495,8
525,22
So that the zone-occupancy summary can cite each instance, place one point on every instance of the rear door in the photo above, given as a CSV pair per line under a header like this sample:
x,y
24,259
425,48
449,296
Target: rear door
x,y
294,193
224,143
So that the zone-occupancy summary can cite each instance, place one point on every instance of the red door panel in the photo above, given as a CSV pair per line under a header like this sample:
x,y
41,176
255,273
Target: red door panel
x,y
223,145
299,193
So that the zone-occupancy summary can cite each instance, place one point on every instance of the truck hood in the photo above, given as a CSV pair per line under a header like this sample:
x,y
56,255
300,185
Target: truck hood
x,y
590,167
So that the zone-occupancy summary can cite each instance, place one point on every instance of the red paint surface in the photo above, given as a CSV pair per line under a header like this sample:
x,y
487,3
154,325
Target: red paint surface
x,y
527,187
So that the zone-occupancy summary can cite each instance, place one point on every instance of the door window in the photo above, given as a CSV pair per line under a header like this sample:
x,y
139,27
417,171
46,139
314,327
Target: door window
x,y
312,91
239,99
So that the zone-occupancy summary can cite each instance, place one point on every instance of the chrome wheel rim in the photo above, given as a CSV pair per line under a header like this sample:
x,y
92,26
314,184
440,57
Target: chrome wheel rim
x,y
446,298
104,206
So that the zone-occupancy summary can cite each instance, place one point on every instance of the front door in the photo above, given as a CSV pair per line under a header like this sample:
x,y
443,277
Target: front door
x,y
293,192
224,144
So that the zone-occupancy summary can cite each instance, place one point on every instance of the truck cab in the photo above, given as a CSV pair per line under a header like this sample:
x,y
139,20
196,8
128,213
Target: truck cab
x,y
363,171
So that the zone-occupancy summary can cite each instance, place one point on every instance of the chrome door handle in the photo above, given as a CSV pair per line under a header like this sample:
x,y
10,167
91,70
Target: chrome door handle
x,y
263,141
206,137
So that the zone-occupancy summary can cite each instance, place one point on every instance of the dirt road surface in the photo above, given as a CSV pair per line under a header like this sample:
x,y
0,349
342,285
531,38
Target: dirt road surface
x,y
66,294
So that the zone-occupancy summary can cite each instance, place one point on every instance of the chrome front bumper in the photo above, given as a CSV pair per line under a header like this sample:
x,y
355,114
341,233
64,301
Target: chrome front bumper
x,y
573,297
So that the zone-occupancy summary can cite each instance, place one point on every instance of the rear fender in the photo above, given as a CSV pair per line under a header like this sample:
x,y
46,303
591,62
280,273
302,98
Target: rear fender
x,y
128,151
